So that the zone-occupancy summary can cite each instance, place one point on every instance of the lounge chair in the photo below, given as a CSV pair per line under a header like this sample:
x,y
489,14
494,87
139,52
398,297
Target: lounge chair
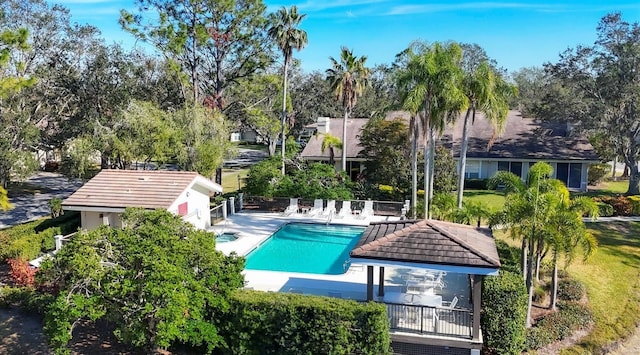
x,y
292,208
330,209
367,211
317,207
448,308
345,210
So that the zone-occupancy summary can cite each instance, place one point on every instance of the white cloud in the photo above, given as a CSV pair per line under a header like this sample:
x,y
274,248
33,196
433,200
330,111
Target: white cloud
x,y
430,8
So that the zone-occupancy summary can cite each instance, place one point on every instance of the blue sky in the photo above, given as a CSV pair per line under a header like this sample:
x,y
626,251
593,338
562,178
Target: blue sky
x,y
515,33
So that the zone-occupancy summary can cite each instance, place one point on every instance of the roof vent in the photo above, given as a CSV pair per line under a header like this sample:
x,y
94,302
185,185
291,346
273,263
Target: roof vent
x,y
143,178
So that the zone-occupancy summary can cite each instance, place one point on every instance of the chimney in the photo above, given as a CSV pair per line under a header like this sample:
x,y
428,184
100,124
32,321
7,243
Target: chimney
x,y
323,124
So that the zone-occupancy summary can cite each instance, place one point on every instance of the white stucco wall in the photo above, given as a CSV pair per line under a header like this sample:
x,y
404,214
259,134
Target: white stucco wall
x,y
197,204
92,219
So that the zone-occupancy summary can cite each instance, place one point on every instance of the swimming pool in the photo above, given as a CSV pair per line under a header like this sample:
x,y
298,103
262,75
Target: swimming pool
x,y
306,248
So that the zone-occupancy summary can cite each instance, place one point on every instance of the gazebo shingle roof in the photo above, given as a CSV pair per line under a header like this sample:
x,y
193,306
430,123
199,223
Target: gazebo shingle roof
x,y
428,242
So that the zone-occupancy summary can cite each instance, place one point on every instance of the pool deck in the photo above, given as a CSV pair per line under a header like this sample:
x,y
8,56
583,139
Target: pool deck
x,y
253,228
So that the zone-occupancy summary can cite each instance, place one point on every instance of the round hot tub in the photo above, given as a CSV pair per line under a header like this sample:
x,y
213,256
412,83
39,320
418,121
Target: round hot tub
x,y
226,237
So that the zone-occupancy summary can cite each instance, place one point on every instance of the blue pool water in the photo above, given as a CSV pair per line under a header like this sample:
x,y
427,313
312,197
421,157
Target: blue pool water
x,y
306,248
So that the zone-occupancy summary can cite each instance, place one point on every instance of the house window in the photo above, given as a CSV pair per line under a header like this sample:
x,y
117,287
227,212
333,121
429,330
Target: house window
x,y
514,167
183,209
353,167
472,170
570,174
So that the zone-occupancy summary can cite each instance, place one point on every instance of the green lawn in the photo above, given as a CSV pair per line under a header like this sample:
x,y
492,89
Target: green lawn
x,y
492,199
230,179
612,278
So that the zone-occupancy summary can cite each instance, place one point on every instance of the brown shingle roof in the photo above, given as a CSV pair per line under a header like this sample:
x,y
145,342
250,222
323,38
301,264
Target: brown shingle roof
x,y
428,242
132,188
522,138
354,126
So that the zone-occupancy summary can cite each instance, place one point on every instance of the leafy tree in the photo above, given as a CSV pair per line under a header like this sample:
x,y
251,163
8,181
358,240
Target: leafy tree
x,y
202,140
285,32
214,43
158,280
429,79
384,146
77,159
256,107
380,95
311,97
318,180
264,177
348,78
600,89
444,167
486,92
533,84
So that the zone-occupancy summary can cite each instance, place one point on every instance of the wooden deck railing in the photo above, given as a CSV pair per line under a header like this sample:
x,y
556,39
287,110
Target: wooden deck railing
x,y
430,320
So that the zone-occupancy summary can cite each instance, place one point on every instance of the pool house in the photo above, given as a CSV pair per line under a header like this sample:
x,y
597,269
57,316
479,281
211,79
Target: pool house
x,y
439,267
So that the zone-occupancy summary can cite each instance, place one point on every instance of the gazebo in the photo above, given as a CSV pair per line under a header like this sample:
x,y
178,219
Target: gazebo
x,y
430,248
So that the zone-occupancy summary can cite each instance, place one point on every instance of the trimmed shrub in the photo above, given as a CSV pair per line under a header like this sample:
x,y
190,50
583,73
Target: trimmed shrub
x,y
570,290
476,184
570,317
279,323
509,257
597,172
635,202
27,241
55,207
622,205
604,209
21,272
504,313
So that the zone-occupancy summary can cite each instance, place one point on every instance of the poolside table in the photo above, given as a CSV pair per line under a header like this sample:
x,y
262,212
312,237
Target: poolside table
x,y
423,299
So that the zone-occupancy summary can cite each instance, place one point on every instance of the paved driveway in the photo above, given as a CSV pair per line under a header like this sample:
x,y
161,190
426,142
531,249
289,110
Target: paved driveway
x,y
29,207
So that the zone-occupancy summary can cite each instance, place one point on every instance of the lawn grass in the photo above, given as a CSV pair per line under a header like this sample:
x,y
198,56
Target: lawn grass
x,y
494,200
612,278
230,179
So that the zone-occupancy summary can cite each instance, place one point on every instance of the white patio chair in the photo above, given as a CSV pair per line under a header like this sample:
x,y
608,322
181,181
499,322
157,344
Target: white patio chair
x,y
448,308
367,211
292,208
345,211
330,209
317,207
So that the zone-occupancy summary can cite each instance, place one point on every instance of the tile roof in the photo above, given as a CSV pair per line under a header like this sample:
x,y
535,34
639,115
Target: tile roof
x,y
428,242
133,188
354,126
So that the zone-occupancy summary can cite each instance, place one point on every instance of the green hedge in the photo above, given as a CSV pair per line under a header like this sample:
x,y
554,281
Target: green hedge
x,y
570,317
476,184
280,323
621,205
27,241
504,313
25,298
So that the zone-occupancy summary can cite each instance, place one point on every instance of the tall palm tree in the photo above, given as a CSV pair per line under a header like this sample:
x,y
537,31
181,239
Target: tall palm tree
x,y
486,92
285,32
430,81
347,78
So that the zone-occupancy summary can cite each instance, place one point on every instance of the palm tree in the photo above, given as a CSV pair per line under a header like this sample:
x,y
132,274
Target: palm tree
x,y
541,214
285,32
347,78
570,235
486,92
331,142
430,83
